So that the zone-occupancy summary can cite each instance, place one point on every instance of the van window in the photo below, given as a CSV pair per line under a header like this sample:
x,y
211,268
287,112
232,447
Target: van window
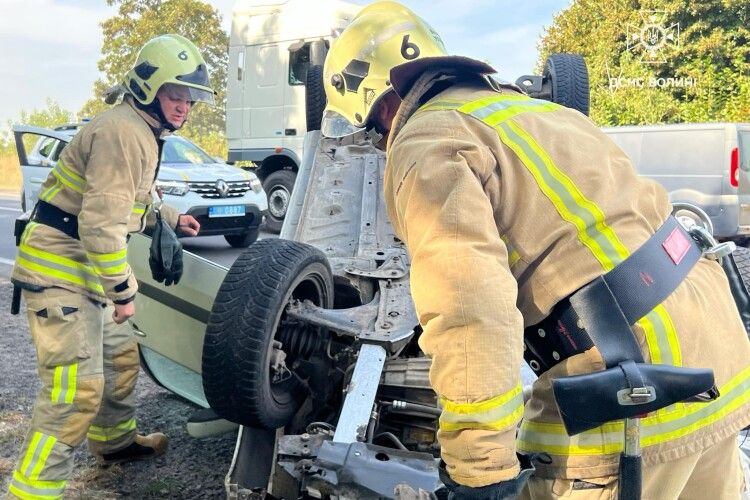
x,y
299,61
744,144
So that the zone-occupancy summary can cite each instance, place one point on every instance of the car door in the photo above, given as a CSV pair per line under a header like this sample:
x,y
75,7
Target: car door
x,y
38,150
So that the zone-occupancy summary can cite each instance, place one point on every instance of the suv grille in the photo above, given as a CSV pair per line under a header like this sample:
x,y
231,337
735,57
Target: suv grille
x,y
209,189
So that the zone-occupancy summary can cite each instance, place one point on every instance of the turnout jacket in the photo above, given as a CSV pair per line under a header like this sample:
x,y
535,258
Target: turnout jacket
x,y
105,177
507,205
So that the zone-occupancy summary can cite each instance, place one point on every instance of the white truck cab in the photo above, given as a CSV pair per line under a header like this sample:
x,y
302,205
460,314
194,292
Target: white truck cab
x,y
272,45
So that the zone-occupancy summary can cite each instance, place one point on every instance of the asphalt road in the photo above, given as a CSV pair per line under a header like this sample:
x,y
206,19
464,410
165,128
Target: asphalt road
x,y
10,208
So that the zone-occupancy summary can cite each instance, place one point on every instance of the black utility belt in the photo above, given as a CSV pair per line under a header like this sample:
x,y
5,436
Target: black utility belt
x,y
614,301
52,216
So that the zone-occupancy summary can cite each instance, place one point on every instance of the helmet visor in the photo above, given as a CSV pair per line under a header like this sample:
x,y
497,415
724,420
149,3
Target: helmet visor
x,y
335,125
186,93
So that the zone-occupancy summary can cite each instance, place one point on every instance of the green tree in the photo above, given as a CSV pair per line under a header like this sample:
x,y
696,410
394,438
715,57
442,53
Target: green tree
x,y
712,51
136,22
51,116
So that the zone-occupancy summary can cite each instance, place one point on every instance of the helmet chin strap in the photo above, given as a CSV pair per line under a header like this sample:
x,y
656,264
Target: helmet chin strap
x,y
154,107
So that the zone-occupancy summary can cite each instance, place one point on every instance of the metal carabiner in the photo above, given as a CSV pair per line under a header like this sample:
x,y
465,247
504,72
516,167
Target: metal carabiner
x,y
712,249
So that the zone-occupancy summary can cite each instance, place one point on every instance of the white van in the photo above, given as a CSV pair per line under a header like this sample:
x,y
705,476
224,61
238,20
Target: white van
x,y
271,46
706,164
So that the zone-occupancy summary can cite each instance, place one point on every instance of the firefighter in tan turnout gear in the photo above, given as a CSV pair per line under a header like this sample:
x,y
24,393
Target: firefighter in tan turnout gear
x,y
508,206
72,267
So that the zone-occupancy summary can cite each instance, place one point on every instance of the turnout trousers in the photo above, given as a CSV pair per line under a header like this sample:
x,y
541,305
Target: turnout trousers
x,y
714,473
88,366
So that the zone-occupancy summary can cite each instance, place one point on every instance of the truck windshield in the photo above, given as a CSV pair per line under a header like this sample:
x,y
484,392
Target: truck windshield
x,y
182,151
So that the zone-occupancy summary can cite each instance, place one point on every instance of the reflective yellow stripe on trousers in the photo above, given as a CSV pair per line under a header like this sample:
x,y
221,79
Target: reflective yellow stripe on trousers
x,y
26,483
111,433
64,384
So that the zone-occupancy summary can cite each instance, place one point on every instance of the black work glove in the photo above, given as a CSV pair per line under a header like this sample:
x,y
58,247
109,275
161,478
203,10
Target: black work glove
x,y
505,490
165,256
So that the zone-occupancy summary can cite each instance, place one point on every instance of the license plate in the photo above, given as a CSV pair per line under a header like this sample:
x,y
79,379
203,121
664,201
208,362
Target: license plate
x,y
227,211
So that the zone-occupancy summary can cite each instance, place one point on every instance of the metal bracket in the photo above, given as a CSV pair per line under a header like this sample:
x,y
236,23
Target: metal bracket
x,y
394,267
360,397
368,471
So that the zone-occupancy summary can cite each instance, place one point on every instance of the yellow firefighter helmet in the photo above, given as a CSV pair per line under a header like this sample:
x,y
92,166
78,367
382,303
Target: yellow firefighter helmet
x,y
169,59
383,35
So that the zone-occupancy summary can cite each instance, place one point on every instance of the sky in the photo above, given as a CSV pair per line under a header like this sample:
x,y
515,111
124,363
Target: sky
x,y
50,48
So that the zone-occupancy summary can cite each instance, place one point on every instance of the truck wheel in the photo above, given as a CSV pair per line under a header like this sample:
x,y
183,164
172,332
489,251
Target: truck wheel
x,y
278,187
315,97
248,331
570,81
244,239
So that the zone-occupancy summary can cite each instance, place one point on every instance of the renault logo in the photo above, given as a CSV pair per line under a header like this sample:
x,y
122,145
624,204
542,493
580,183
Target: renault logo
x,y
222,187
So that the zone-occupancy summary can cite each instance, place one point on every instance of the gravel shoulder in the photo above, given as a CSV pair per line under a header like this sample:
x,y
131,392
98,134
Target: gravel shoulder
x,y
191,469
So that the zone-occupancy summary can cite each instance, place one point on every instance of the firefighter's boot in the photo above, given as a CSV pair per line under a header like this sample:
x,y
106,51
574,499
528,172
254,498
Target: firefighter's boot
x,y
142,448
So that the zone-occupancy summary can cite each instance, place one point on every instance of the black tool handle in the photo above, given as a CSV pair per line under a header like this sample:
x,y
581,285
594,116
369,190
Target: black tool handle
x,y
630,477
15,302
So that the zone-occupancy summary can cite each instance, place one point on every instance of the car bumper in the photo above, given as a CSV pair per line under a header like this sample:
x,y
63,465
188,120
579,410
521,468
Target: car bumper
x,y
227,225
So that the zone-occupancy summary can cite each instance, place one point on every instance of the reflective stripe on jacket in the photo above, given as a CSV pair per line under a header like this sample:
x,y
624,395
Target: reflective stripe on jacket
x,y
508,204
104,176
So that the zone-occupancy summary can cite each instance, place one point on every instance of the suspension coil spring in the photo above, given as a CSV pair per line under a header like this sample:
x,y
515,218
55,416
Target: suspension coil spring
x,y
300,340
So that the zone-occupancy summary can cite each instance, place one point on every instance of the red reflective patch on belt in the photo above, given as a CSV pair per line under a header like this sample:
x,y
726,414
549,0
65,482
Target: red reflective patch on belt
x,y
676,245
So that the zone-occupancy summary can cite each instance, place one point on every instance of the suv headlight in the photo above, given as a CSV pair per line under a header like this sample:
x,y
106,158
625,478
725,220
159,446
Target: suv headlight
x,y
175,188
255,183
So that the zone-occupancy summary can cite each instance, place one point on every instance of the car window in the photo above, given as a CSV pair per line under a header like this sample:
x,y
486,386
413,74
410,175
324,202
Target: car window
x,y
55,154
47,146
178,150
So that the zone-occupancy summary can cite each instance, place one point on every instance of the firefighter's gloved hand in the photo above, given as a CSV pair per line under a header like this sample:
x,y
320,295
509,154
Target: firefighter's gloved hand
x,y
505,490
165,256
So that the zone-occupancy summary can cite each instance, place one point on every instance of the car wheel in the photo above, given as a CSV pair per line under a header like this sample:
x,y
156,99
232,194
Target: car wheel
x,y
315,97
278,187
244,239
245,377
570,81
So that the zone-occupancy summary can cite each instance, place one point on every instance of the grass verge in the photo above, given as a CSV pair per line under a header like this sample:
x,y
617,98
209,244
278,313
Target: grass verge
x,y
10,174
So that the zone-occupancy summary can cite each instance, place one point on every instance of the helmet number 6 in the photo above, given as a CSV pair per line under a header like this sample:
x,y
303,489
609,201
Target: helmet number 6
x,y
409,50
